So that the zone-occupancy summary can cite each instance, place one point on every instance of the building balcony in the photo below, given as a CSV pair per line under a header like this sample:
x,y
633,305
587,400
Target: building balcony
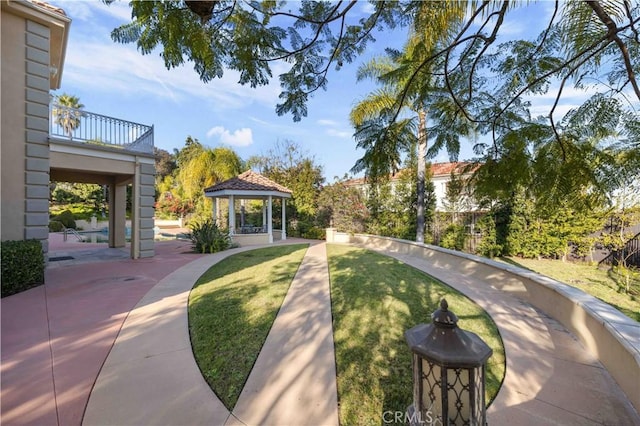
x,y
81,126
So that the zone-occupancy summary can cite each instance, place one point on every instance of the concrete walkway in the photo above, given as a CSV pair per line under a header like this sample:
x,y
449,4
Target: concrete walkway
x,y
151,376
550,378
293,381
115,333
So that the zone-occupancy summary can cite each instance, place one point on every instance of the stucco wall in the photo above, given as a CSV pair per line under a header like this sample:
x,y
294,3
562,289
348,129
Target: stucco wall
x,y
146,199
36,178
25,129
12,150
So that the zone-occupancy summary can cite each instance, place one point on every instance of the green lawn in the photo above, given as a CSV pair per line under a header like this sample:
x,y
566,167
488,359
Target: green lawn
x,y
231,309
600,283
375,299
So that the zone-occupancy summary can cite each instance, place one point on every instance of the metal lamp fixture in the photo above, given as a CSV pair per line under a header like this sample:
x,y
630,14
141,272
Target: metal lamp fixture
x,y
448,372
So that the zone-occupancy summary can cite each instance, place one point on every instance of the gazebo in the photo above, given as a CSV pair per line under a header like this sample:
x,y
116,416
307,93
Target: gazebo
x,y
250,186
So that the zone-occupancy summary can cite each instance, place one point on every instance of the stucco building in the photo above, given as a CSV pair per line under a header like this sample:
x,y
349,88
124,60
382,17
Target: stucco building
x,y
33,153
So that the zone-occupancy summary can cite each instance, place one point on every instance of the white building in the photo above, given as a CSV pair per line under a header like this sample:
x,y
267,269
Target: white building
x,y
440,176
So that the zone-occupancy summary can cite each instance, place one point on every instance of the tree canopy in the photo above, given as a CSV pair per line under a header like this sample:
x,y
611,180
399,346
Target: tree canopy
x,y
581,41
485,79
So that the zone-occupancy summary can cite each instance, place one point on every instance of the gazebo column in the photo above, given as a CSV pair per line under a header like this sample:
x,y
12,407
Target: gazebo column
x,y
284,219
214,211
264,214
232,215
270,219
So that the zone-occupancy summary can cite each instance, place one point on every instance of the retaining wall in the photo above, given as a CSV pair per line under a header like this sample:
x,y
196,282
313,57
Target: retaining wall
x,y
610,335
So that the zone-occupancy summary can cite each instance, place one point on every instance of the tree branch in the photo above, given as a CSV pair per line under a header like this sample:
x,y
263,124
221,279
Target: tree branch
x,y
612,35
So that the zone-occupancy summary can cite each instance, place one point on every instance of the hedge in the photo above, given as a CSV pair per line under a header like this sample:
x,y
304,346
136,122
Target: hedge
x,y
22,266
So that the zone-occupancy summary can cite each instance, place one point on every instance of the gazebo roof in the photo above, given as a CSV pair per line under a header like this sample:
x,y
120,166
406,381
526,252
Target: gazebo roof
x,y
248,183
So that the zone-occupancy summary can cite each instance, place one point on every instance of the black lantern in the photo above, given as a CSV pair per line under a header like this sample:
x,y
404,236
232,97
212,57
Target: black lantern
x,y
448,372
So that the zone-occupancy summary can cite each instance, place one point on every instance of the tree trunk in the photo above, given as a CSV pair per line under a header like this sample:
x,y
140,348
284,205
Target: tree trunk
x,y
422,152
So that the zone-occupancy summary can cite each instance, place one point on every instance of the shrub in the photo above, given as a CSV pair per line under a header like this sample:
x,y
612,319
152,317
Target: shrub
x,y
206,237
66,218
314,233
22,266
454,237
55,226
489,246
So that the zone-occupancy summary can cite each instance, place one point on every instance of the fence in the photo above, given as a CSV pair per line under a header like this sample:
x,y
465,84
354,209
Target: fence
x,y
630,254
82,126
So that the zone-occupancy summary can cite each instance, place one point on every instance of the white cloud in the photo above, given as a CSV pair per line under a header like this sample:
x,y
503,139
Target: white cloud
x,y
335,128
106,66
90,10
324,122
343,134
240,137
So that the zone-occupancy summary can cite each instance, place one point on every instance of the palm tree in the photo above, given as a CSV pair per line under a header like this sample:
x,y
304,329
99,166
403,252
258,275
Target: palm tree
x,y
67,112
409,89
204,168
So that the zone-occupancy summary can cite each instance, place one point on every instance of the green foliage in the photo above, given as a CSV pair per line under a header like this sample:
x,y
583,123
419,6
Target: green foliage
x,y
342,207
393,205
206,237
532,230
55,226
488,246
88,194
165,163
287,164
66,218
199,167
247,39
22,266
80,210
454,196
454,237
67,112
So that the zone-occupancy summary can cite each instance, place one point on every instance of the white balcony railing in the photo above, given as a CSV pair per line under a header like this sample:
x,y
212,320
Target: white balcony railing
x,y
81,126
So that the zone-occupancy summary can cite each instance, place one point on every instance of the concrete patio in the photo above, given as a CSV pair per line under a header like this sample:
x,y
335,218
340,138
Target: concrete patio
x,y
106,342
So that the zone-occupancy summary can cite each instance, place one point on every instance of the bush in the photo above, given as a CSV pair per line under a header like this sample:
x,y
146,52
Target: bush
x,y
489,246
206,237
66,218
22,266
454,237
314,233
55,226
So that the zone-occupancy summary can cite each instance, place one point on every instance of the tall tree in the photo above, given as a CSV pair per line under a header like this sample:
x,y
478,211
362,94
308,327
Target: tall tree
x,y
67,112
377,130
288,164
342,207
200,167
165,163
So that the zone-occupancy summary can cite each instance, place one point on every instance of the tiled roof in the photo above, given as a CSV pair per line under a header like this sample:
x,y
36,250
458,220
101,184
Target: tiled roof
x,y
48,7
437,169
248,181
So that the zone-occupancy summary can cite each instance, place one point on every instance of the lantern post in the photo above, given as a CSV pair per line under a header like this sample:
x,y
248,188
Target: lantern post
x,y
448,372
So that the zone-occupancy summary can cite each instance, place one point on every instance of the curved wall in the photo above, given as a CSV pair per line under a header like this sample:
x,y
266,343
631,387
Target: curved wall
x,y
610,335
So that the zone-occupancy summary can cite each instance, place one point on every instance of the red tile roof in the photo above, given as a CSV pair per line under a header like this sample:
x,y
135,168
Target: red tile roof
x,y
437,169
48,7
248,181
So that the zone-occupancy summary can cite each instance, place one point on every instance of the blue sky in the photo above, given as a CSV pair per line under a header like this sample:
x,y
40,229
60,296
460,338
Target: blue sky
x,y
116,80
